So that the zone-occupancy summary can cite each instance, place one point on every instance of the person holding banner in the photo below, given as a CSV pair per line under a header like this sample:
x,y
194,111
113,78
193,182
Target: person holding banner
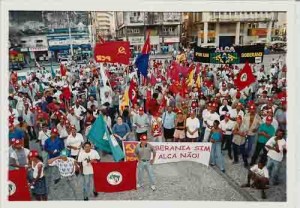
x,y
215,138
143,152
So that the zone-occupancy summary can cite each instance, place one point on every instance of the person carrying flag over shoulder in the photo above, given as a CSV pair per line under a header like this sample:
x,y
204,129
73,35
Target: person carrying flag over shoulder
x,y
142,61
143,152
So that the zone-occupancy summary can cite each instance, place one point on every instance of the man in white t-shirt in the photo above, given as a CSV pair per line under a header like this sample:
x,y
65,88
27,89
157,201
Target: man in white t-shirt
x,y
86,157
275,146
192,126
260,176
74,142
209,121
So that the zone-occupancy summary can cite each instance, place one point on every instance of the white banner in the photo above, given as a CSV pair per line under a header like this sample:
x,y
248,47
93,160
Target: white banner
x,y
167,152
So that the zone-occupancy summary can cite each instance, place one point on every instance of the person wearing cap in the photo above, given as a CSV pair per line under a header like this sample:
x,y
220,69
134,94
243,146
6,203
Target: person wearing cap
x,y
281,115
74,142
141,122
156,128
209,119
227,126
62,128
143,151
259,174
91,102
14,114
53,145
252,122
275,147
23,127
37,177
15,132
179,134
67,168
168,121
74,119
265,132
237,111
79,112
274,121
19,155
192,127
239,141
86,157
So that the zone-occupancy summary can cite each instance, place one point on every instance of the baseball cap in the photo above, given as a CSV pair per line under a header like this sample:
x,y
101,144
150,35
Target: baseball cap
x,y
16,142
33,153
141,109
227,115
73,127
252,107
143,137
269,119
64,153
54,131
240,104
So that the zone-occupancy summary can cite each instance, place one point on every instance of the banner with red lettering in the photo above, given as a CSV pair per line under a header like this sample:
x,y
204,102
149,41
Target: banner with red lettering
x,y
113,52
167,152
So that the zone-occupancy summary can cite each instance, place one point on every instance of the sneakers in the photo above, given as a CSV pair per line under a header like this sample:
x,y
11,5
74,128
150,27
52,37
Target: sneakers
x,y
139,186
153,188
95,194
223,171
56,181
85,199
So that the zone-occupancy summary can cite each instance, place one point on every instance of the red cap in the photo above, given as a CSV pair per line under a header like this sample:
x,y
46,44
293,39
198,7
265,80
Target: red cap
x,y
223,84
227,115
143,137
33,153
270,99
179,112
39,111
26,103
252,107
31,108
269,119
16,141
56,113
67,122
73,127
283,103
214,105
54,131
141,109
240,104
209,104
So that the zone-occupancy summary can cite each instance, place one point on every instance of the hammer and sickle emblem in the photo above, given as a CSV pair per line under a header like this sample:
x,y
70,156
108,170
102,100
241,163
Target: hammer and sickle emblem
x,y
121,50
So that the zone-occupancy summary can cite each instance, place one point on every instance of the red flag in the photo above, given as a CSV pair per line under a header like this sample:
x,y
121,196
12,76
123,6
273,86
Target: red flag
x,y
113,52
282,96
63,70
133,92
175,70
245,77
66,92
152,80
18,186
147,46
148,99
114,176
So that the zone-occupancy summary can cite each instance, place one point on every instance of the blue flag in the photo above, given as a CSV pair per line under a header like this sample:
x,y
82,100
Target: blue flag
x,y
102,139
142,63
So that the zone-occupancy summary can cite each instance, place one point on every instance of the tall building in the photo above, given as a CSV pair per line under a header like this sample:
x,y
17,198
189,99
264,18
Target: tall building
x,y
164,28
228,28
103,24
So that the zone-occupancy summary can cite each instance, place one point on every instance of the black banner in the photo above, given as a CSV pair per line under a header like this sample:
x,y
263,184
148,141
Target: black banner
x,y
236,55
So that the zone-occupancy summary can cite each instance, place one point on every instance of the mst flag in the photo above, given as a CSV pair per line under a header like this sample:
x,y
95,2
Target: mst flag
x,y
114,176
100,136
142,61
113,52
18,186
245,77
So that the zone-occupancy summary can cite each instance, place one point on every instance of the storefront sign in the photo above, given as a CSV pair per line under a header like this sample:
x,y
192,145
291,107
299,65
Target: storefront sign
x,y
229,55
139,40
171,40
210,34
68,42
173,152
258,32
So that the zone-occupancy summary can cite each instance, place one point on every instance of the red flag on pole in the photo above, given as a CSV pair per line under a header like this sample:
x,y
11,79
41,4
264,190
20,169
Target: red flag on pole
x,y
18,186
245,77
63,70
115,176
133,92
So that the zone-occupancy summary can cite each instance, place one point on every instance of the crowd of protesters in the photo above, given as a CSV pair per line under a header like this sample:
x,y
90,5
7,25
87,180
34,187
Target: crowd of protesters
x,y
57,112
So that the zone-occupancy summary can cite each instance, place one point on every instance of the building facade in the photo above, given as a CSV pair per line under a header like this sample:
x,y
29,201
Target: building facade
x,y
40,35
164,28
103,24
228,28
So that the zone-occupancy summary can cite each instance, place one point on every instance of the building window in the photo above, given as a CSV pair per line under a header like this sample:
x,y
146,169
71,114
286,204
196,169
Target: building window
x,y
39,41
23,41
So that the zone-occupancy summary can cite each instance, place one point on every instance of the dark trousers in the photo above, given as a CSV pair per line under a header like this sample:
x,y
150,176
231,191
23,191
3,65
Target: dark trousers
x,y
169,134
259,147
239,149
31,133
227,140
202,134
138,135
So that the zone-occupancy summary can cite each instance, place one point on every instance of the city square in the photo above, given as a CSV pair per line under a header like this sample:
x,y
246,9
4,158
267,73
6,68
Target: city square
x,y
184,78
